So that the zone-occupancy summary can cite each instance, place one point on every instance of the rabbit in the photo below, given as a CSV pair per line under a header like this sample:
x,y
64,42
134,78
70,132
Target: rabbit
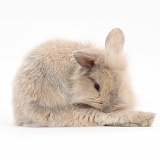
x,y
63,83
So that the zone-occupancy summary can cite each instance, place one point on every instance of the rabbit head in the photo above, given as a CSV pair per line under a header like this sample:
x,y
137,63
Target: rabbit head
x,y
100,80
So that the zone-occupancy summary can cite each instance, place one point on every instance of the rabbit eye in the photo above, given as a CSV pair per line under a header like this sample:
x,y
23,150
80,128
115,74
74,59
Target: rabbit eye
x,y
97,87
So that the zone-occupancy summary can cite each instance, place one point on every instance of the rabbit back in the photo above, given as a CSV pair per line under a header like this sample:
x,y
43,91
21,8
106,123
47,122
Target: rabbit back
x,y
44,77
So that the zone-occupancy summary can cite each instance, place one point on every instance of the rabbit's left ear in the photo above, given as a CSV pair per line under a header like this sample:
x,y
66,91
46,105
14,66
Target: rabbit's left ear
x,y
83,59
115,41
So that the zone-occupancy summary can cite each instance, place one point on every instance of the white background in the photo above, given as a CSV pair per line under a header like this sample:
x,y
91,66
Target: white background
x,y
25,24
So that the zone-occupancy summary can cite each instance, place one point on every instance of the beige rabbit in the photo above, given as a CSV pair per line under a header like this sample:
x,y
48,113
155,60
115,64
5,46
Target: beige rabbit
x,y
64,83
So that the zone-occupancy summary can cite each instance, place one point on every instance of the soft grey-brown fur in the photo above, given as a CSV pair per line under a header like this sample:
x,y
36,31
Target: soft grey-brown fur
x,y
55,86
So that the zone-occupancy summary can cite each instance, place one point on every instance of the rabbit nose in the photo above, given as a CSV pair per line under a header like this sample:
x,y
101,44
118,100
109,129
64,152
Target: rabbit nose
x,y
105,108
105,105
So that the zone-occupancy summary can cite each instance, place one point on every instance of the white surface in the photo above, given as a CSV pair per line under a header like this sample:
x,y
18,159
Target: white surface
x,y
25,24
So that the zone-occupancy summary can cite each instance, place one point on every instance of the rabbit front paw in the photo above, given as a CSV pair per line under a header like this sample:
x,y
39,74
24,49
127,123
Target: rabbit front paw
x,y
138,119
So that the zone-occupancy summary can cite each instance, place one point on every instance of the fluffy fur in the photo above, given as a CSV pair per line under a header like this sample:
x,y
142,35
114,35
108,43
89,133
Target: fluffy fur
x,y
55,86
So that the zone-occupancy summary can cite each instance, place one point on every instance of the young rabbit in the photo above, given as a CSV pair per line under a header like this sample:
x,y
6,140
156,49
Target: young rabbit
x,y
64,83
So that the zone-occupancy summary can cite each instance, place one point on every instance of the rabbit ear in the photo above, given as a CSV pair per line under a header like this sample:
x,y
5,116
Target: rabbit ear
x,y
84,59
115,41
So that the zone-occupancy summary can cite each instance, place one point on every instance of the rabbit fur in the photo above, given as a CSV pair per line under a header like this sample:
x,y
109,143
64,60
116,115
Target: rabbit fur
x,y
64,83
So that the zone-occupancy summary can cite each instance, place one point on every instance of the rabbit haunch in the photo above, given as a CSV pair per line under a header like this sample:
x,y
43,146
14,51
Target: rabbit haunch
x,y
66,83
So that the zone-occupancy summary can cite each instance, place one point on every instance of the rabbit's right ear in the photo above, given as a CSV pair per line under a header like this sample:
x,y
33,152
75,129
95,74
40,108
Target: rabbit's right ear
x,y
84,59
115,41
